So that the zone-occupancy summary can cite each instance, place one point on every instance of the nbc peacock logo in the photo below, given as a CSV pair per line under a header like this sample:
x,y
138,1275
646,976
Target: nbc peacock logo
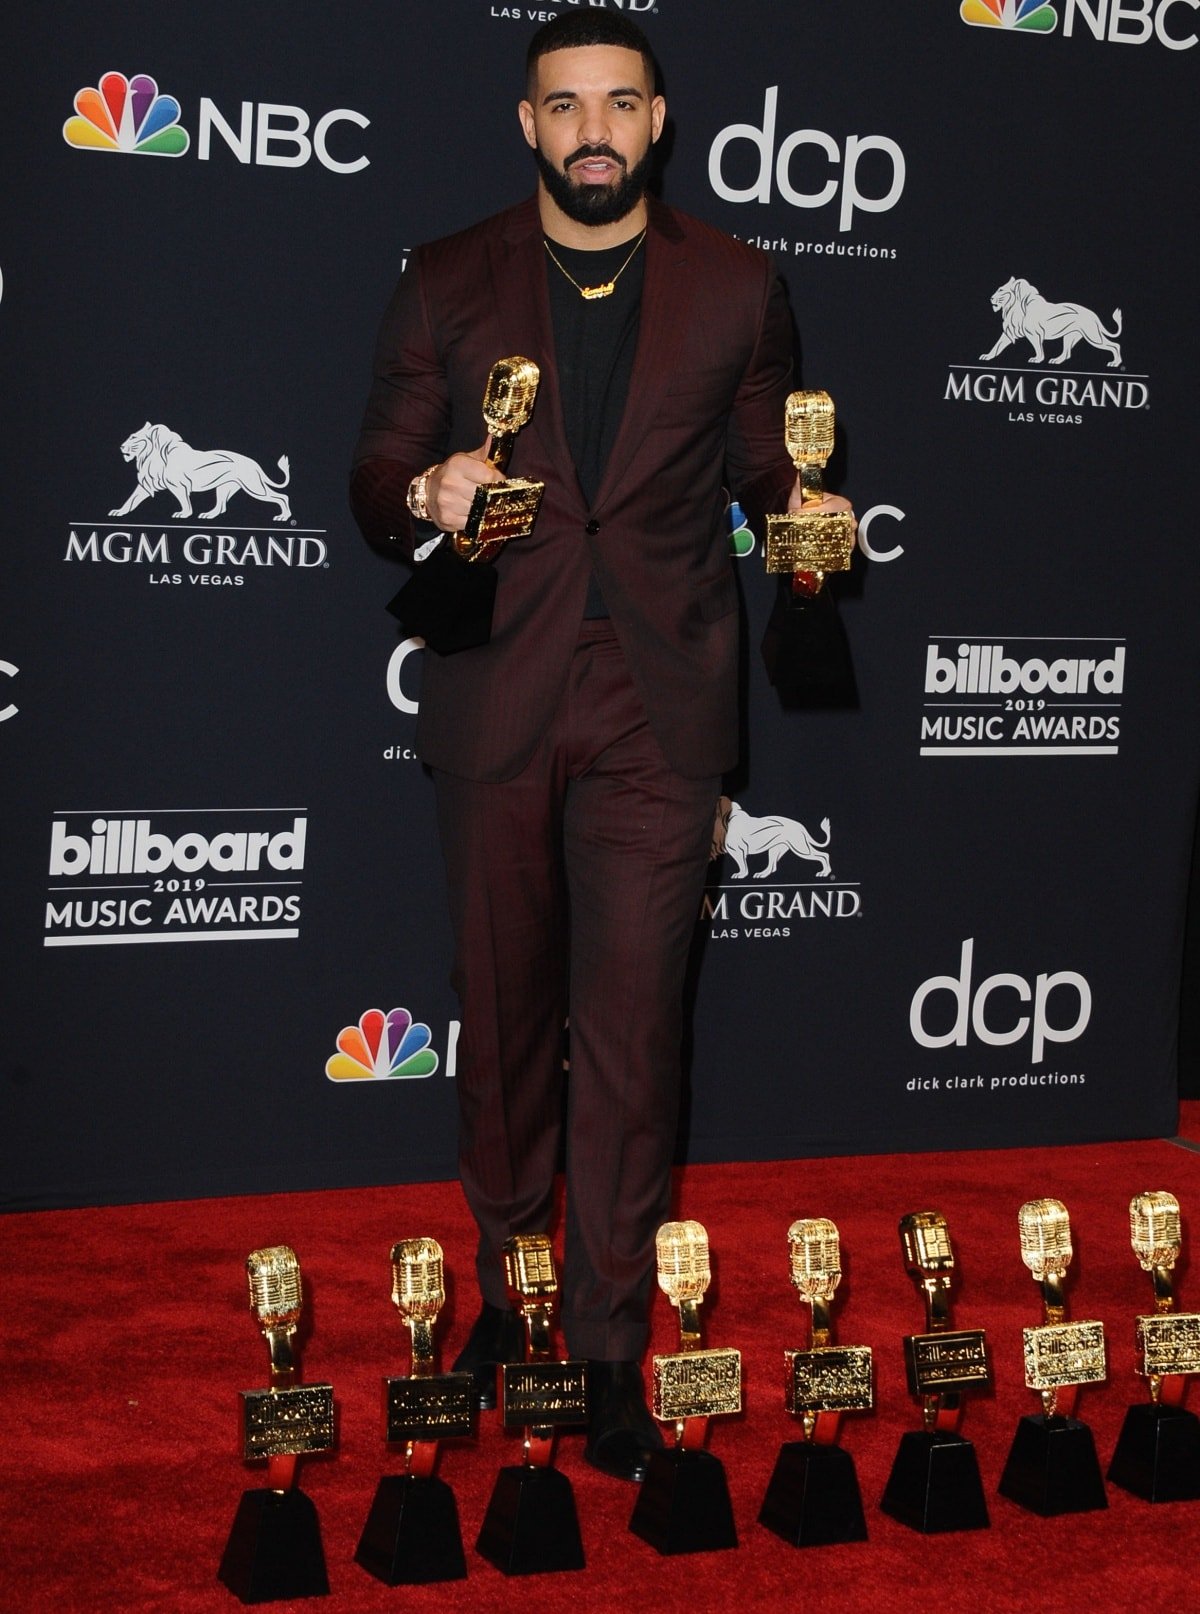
x,y
382,1047
127,114
1019,16
742,541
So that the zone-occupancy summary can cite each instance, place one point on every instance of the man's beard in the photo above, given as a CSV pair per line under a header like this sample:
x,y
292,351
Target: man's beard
x,y
595,204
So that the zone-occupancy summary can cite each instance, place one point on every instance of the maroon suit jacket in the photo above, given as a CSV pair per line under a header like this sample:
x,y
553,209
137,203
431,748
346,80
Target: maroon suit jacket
x,y
705,410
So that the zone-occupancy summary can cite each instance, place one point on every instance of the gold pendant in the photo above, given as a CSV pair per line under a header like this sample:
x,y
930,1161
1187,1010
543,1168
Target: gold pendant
x,y
592,292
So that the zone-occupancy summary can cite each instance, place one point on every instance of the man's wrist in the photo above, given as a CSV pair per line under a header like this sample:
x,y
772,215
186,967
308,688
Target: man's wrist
x,y
418,494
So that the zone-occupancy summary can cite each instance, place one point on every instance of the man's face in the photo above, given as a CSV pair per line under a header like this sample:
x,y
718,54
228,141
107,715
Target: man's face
x,y
591,120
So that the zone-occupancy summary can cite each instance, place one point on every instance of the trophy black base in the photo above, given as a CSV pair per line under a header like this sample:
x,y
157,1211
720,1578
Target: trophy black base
x,y
813,1499
448,602
274,1549
934,1484
1052,1468
531,1527
411,1536
806,652
1158,1454
683,1504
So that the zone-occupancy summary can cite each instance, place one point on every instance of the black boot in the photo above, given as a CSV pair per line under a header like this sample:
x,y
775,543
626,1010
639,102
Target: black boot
x,y
621,1432
497,1336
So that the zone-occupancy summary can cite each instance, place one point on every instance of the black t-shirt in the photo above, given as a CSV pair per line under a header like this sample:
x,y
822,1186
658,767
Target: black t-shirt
x,y
594,341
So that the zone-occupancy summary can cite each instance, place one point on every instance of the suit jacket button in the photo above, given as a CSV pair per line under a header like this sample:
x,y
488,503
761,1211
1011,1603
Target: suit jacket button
x,y
592,528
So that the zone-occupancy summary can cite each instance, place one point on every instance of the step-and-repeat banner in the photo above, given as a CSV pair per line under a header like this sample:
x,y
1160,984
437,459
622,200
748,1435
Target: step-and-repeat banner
x,y
948,916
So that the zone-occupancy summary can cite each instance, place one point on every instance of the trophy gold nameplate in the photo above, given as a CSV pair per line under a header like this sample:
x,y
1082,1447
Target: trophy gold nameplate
x,y
832,1378
1060,1355
1157,1456
531,1525
544,1393
952,1361
810,542
430,1409
813,1498
503,510
683,1504
1052,1466
934,1484
1168,1345
274,1548
702,1384
287,1422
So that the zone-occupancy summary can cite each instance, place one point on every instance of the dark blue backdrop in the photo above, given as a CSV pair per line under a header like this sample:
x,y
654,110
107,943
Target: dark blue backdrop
x,y
994,956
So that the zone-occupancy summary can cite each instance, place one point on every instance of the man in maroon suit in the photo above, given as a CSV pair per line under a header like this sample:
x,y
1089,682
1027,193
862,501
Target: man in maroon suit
x,y
577,755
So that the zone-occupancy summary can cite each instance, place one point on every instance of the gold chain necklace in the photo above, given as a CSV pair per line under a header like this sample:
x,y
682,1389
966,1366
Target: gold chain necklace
x,y
605,289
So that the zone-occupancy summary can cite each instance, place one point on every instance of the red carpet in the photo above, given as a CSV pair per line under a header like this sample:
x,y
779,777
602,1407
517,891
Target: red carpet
x,y
127,1335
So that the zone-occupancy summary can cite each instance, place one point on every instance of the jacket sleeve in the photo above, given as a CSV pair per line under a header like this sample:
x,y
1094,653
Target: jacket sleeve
x,y
406,424
761,474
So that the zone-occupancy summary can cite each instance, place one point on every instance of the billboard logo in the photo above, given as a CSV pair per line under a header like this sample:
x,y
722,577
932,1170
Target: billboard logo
x,y
127,115
382,1047
1052,697
1023,16
217,874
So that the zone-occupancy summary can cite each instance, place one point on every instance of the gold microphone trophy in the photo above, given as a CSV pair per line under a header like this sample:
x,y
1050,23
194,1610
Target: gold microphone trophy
x,y
412,1535
804,647
1052,1466
531,1524
1158,1451
274,1548
813,1499
447,603
683,1504
508,509
934,1484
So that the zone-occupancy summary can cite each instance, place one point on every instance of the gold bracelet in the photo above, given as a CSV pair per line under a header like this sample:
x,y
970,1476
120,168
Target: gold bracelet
x,y
416,497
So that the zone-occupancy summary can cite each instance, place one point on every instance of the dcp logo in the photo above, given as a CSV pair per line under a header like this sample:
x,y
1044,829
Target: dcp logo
x,y
779,165
1070,991
397,694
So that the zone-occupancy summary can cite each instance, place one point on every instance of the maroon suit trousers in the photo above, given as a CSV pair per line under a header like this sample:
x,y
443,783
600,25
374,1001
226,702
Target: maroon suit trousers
x,y
574,889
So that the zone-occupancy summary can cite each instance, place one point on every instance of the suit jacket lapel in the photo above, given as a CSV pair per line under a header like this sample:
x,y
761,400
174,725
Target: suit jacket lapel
x,y
523,312
666,309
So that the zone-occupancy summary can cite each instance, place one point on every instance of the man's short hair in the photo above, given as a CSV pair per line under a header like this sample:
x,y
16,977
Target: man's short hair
x,y
589,28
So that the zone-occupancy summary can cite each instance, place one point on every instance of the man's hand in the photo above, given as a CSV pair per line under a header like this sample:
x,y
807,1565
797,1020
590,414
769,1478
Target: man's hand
x,y
831,505
451,487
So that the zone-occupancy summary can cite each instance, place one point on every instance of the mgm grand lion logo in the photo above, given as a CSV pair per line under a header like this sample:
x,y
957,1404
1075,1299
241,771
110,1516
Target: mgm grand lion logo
x,y
1024,312
166,464
735,832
